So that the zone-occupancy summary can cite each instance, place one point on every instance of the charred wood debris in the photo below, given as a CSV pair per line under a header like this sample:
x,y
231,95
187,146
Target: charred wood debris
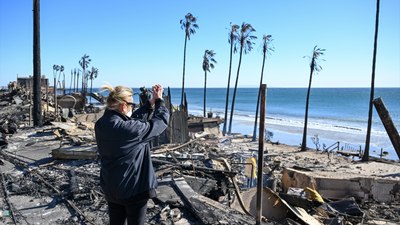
x,y
67,191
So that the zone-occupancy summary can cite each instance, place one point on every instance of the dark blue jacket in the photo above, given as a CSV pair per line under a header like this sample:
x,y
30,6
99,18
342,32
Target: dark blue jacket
x,y
124,146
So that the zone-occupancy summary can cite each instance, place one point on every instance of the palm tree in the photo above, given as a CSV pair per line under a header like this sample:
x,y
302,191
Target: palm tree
x,y
93,75
84,63
246,44
63,82
314,67
267,39
372,93
61,69
233,39
56,68
208,62
189,25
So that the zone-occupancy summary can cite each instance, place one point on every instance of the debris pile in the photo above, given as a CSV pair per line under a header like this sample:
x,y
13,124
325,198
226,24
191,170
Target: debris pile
x,y
51,175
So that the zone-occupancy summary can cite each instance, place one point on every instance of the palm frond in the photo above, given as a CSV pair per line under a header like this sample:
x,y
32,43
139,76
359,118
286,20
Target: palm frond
x,y
314,64
234,36
207,58
267,48
246,37
189,25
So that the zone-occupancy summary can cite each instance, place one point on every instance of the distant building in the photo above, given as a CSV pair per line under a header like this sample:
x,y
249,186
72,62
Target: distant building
x,y
27,82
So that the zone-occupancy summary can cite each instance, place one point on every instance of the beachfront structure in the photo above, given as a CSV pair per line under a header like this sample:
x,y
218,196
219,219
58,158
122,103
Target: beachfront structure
x,y
27,83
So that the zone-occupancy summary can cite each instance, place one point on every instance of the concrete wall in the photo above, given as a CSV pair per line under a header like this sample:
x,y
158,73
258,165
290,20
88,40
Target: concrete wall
x,y
362,188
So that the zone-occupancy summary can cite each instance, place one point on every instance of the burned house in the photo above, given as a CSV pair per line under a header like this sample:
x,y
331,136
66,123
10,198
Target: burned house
x,y
27,83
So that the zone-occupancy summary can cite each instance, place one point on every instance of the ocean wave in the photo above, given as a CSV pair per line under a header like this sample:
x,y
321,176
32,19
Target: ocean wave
x,y
350,128
296,123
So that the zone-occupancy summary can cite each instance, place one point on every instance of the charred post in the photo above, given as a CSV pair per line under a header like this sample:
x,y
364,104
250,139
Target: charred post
x,y
260,154
37,102
388,124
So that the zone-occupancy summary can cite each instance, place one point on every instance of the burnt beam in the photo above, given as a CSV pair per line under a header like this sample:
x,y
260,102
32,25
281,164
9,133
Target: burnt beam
x,y
388,124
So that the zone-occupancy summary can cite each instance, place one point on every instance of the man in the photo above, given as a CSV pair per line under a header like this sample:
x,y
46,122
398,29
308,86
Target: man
x,y
127,175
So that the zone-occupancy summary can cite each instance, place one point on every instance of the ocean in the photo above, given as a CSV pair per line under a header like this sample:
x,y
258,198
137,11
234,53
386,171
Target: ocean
x,y
335,114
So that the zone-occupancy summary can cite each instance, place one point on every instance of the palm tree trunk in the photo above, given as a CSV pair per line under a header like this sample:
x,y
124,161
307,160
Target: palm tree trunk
x,y
58,80
183,75
205,93
304,142
86,83
83,84
258,101
37,103
63,83
227,90
234,92
368,138
77,82
83,76
91,85
74,82
70,84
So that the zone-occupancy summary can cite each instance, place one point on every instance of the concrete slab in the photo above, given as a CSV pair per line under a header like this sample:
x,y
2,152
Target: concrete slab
x,y
338,185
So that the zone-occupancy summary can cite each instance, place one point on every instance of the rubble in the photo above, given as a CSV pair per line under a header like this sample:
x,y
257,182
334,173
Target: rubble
x,y
50,175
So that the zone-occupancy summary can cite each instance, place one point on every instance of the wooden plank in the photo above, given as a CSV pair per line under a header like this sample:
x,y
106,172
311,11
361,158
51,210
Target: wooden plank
x,y
71,152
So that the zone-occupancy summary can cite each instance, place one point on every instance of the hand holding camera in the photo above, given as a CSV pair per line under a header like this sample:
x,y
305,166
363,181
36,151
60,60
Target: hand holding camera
x,y
157,93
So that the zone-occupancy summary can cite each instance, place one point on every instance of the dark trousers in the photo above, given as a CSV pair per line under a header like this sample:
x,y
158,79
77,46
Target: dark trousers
x,y
135,213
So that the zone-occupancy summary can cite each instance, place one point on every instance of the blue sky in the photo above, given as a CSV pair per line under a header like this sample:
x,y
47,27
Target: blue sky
x,y
138,43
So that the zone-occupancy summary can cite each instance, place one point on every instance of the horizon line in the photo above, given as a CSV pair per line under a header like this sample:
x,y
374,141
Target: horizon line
x,y
267,87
